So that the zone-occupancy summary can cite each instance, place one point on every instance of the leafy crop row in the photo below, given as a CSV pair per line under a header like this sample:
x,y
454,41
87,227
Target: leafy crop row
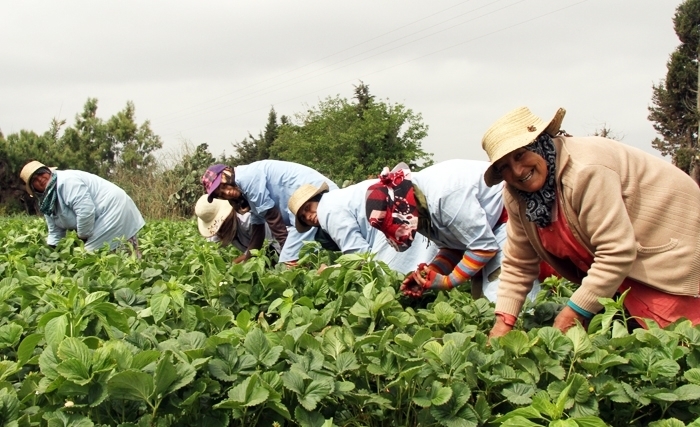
x,y
184,338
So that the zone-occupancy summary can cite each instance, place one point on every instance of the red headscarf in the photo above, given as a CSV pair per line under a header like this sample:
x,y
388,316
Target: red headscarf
x,y
391,206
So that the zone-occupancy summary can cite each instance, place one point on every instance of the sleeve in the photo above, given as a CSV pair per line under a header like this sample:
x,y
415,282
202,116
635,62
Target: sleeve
x,y
257,237
462,215
345,232
255,189
77,198
520,265
55,234
295,240
273,217
603,217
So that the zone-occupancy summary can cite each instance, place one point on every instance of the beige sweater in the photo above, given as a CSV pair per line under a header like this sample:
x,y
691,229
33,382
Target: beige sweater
x,y
638,215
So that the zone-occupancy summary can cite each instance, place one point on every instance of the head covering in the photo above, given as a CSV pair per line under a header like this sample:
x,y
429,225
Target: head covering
x,y
28,172
302,195
391,206
210,215
216,175
516,129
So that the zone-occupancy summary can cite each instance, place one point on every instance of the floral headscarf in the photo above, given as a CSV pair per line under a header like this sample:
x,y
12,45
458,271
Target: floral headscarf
x,y
391,206
539,204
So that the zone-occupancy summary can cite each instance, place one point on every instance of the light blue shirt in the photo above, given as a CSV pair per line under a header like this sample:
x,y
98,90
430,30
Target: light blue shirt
x,y
463,210
95,208
270,183
341,213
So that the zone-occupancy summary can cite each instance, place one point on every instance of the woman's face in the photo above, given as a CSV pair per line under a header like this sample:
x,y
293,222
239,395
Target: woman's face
x,y
523,169
228,192
308,214
39,181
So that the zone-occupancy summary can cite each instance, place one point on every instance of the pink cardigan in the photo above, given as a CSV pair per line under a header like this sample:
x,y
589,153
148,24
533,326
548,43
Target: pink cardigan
x,y
638,215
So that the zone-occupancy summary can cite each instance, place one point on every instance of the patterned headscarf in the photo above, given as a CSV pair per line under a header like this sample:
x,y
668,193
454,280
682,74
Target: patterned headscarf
x,y
539,204
391,206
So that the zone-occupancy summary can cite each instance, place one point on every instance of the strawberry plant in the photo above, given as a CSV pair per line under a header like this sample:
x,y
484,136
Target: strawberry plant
x,y
183,337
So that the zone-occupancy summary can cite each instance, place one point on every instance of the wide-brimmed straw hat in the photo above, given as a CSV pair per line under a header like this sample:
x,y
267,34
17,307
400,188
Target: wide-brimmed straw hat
x,y
302,195
516,129
210,216
28,171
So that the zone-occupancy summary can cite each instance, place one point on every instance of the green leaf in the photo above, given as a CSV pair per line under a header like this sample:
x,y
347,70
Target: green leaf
x,y
250,392
692,375
688,392
444,313
10,335
440,395
362,308
346,362
293,381
55,330
74,370
421,336
131,385
25,351
74,348
519,394
314,392
519,421
159,306
580,340
308,418
517,342
589,421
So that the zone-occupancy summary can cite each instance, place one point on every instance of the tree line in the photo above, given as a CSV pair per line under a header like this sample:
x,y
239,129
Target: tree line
x,y
346,140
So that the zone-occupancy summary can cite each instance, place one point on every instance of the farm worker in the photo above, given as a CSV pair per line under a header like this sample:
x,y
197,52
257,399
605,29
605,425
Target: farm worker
x,y
604,215
450,205
219,222
99,211
265,187
341,214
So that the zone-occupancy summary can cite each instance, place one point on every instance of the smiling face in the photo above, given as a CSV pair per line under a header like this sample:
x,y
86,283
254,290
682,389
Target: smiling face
x,y
307,213
523,169
39,181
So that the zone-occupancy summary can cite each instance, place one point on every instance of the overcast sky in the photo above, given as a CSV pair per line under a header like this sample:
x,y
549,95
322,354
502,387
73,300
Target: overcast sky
x,y
209,71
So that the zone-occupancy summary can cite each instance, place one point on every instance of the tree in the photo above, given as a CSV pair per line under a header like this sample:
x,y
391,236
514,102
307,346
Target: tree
x,y
188,174
251,148
353,141
675,99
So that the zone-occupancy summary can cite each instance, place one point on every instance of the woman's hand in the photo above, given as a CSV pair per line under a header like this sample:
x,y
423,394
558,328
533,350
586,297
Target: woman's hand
x,y
500,328
567,318
410,287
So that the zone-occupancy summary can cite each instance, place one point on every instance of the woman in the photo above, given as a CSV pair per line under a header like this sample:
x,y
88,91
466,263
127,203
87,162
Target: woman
x,y
219,222
99,211
265,187
606,216
341,215
450,205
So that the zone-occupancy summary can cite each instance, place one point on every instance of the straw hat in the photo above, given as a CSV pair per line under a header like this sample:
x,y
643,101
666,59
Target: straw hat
x,y
210,216
28,170
302,195
512,131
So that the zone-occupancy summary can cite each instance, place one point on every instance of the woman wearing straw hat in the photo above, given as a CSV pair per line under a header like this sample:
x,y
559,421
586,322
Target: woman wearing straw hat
x,y
265,187
99,211
341,214
450,205
605,215
219,222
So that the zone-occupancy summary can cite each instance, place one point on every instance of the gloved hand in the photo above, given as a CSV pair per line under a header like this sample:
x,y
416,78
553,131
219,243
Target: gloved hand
x,y
428,278
411,288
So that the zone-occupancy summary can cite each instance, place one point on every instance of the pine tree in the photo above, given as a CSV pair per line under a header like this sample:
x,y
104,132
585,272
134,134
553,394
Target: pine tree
x,y
674,111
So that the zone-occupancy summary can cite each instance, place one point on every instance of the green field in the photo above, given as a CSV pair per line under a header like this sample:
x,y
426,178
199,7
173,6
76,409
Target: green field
x,y
183,337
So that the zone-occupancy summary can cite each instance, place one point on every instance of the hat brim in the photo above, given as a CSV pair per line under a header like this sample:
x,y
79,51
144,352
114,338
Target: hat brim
x,y
214,186
491,177
204,227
